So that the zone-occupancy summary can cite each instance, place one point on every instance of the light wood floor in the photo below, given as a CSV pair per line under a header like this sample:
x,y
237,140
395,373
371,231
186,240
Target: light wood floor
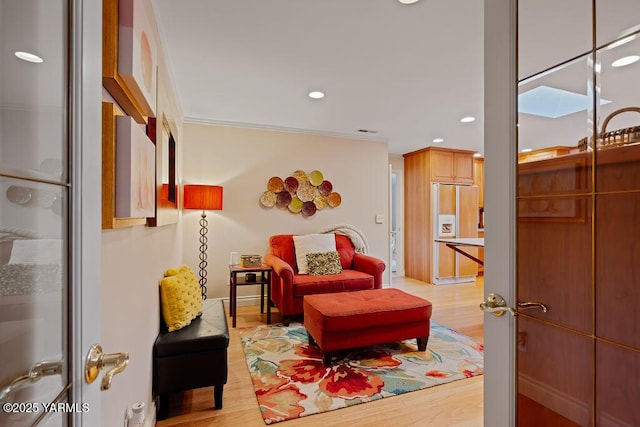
x,y
455,404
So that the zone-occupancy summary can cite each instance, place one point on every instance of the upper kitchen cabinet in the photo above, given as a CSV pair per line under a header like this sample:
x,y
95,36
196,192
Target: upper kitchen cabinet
x,y
451,166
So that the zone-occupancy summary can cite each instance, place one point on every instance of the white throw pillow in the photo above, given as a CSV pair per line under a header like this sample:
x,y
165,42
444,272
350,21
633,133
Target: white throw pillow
x,y
312,243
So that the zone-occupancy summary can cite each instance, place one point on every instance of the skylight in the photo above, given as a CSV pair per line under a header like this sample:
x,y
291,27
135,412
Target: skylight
x,y
550,102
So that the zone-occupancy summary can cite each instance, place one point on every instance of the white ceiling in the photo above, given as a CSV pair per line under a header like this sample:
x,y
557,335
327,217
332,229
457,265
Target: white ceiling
x,y
409,72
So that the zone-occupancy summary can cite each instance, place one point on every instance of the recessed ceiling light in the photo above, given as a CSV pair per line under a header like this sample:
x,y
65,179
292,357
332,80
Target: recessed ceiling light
x,y
29,57
477,155
408,1
316,94
438,140
468,119
526,150
627,60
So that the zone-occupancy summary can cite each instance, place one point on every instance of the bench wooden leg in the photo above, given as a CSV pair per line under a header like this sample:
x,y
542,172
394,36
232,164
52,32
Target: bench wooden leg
x,y
217,395
311,340
422,343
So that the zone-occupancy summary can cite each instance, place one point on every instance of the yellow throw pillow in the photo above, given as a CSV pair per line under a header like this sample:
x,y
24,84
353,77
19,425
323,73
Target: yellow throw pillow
x,y
181,297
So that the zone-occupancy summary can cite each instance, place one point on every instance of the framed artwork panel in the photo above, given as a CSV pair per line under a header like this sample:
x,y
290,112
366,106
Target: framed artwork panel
x,y
129,56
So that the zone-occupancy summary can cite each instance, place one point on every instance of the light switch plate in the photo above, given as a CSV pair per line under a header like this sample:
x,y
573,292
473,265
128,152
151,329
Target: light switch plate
x,y
379,219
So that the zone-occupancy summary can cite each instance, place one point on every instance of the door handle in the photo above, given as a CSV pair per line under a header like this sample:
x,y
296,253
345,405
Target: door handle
x,y
97,360
527,305
496,305
37,371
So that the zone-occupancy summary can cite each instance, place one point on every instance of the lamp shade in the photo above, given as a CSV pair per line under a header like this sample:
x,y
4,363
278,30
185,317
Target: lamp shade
x,y
204,197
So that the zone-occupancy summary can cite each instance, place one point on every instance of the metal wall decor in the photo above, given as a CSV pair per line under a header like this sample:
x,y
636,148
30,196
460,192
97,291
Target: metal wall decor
x,y
300,193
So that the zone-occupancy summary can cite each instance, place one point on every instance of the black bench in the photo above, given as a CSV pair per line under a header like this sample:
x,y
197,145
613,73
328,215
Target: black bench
x,y
192,357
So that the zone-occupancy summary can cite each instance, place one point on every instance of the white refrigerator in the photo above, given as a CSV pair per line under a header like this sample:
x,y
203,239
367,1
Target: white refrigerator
x,y
454,215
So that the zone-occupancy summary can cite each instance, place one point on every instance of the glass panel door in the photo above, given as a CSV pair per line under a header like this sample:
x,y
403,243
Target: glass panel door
x,y
33,210
578,209
554,212
617,235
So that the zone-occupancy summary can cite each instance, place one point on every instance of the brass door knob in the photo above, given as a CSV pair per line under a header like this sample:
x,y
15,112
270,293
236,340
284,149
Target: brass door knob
x,y
97,360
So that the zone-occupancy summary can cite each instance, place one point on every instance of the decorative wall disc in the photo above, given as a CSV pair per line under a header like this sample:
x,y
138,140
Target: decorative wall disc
x,y
291,184
321,202
301,176
334,199
325,188
308,209
307,192
283,198
268,199
301,193
275,184
296,205
316,178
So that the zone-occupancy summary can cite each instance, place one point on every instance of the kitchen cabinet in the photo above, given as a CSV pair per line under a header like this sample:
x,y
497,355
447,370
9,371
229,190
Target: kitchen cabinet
x,y
545,153
422,168
452,166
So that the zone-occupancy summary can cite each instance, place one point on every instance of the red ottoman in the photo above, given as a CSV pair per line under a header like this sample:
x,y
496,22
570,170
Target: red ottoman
x,y
337,321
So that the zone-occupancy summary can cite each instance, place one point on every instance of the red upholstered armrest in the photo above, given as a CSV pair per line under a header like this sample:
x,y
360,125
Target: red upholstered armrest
x,y
280,267
370,265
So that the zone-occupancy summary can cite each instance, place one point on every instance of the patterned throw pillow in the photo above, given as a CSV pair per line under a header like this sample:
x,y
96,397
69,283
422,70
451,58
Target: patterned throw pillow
x,y
322,263
181,297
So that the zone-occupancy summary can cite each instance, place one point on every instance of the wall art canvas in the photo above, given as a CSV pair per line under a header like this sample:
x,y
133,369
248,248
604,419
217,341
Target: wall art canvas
x,y
130,56
135,170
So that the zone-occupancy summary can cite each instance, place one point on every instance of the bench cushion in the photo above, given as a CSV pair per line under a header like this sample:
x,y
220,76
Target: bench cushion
x,y
205,333
346,311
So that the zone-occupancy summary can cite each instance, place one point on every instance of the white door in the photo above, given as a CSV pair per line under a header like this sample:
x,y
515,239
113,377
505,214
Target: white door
x,y
50,239
500,220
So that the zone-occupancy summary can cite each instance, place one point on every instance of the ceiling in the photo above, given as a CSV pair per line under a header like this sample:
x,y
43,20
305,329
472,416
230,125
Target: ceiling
x,y
409,73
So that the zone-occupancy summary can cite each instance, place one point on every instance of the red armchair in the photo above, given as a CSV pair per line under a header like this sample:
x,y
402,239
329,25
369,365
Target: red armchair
x,y
288,288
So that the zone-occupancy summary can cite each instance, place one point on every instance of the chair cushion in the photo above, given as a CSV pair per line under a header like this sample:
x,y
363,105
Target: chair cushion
x,y
348,280
205,333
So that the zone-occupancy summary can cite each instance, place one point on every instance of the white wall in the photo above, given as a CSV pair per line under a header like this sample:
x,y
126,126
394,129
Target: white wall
x,y
133,262
242,160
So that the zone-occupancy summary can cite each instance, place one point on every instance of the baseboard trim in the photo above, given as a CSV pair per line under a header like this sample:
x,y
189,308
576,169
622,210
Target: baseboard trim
x,y
554,399
243,301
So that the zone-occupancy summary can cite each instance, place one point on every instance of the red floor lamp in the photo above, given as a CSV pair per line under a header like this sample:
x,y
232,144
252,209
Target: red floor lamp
x,y
206,198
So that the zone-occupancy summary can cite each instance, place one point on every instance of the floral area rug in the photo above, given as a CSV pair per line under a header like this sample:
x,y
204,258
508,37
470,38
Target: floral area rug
x,y
290,380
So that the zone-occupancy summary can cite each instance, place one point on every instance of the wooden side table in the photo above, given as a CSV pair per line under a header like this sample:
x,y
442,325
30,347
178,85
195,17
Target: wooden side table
x,y
238,277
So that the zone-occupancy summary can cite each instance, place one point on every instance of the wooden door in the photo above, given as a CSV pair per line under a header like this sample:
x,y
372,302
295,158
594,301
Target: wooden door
x,y
467,227
446,206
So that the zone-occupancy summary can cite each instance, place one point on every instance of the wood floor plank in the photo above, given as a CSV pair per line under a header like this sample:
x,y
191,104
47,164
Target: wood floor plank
x,y
454,404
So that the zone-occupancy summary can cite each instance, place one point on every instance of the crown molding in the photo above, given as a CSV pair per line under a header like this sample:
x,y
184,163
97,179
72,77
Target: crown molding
x,y
198,120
